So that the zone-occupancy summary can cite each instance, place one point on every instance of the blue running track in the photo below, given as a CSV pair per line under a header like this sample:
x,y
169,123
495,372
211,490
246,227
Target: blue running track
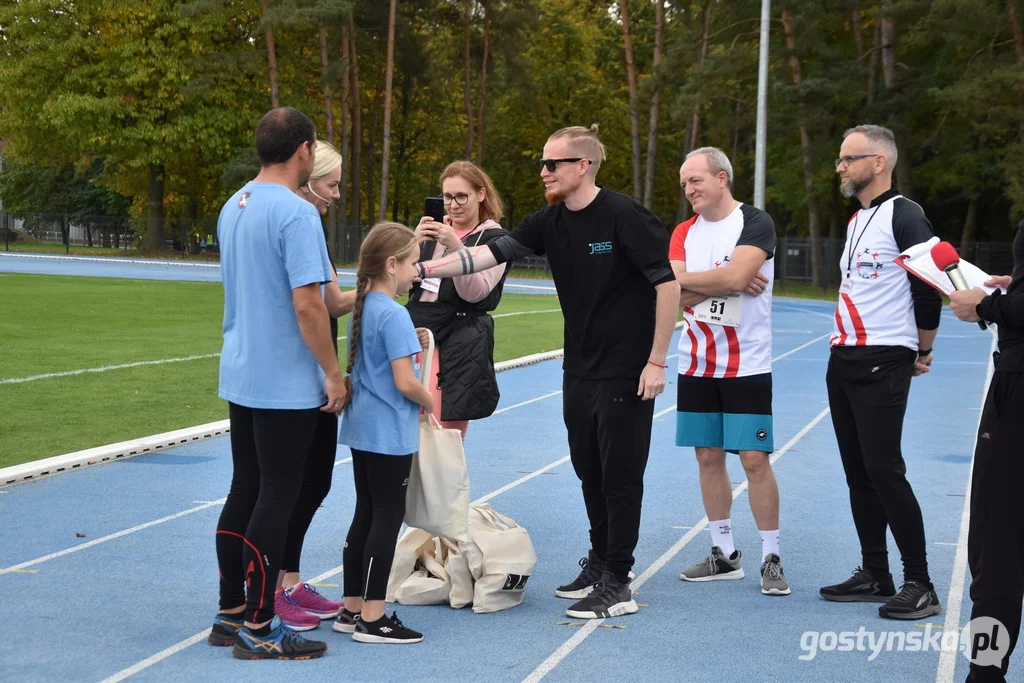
x,y
132,598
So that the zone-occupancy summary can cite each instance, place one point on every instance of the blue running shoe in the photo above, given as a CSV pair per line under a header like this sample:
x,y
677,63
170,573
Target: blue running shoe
x,y
225,629
280,643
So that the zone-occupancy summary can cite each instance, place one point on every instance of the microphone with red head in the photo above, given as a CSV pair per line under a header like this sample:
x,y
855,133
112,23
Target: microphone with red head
x,y
945,257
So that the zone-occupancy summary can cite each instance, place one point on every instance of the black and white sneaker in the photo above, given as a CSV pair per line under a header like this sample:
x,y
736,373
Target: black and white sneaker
x,y
589,576
385,630
861,587
345,622
916,600
608,599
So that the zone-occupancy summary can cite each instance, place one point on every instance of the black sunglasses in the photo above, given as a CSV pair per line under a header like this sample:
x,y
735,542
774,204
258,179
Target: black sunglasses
x,y
550,164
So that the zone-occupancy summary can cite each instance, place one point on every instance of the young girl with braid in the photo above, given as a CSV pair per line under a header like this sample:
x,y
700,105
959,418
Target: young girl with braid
x,y
380,426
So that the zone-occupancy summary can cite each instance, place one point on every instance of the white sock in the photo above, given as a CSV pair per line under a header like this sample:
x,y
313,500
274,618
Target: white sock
x,y
769,543
721,535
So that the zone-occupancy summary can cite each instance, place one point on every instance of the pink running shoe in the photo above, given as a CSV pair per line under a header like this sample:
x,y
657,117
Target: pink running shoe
x,y
309,599
293,616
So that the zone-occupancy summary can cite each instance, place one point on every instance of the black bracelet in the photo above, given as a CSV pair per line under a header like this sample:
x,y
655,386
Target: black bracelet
x,y
922,354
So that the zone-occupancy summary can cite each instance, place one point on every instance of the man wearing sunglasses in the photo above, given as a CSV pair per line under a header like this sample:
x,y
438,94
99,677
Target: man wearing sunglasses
x,y
609,260
885,326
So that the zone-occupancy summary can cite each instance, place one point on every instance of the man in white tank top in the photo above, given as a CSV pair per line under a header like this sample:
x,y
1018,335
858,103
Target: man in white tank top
x,y
723,259
885,325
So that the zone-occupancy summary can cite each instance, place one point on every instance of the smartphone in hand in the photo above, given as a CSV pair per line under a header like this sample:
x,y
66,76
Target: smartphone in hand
x,y
434,207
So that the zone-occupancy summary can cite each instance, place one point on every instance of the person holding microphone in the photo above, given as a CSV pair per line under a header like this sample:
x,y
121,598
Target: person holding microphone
x,y
995,541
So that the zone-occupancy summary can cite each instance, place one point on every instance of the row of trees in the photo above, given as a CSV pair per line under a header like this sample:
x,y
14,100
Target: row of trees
x,y
157,101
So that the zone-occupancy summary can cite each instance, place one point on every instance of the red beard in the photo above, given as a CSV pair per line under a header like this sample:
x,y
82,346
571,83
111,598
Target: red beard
x,y
554,197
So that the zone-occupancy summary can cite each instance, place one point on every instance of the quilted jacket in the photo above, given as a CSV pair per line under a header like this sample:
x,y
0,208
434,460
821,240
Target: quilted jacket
x,y
464,335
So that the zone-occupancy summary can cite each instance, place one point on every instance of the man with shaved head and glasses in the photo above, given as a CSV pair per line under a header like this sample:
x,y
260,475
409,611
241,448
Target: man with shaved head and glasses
x,y
885,326
609,260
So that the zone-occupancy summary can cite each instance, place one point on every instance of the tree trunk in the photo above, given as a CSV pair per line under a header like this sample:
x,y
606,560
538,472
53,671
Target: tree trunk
x,y
970,224
652,128
634,115
813,212
483,85
371,149
388,79
876,56
468,84
402,155
692,135
275,102
1018,35
155,217
328,107
857,29
346,144
904,173
354,229
88,234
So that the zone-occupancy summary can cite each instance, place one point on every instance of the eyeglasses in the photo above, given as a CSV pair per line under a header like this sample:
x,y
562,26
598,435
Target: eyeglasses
x,y
847,160
550,164
460,198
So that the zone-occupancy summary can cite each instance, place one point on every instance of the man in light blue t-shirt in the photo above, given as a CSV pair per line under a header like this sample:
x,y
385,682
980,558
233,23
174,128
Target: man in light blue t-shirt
x,y
278,369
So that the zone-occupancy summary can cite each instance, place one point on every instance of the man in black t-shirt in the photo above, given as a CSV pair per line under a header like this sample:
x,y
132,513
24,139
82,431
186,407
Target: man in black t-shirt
x,y
619,299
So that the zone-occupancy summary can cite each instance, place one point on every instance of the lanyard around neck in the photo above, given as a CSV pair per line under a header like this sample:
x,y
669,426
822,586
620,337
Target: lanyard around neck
x,y
849,255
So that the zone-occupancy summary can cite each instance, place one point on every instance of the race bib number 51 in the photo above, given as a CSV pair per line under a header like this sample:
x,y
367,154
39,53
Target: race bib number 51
x,y
720,310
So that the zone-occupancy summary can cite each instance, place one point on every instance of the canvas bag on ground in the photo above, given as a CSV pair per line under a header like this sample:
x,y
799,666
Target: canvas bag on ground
x,y
429,583
407,553
455,563
437,499
501,559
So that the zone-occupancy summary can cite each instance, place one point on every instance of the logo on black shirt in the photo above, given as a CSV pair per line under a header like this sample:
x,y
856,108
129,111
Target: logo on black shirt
x,y
600,248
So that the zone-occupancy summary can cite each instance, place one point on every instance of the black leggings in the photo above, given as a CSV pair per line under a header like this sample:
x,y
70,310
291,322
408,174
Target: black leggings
x,y
316,483
381,482
868,400
268,451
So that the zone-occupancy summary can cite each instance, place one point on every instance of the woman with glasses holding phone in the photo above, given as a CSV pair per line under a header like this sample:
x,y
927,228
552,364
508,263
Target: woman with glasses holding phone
x,y
456,309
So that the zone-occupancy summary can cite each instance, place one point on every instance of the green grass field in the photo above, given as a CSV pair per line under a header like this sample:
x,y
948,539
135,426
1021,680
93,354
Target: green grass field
x,y
66,324
62,324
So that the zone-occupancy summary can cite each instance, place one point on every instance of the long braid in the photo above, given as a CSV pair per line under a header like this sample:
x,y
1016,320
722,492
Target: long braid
x,y
362,285
384,241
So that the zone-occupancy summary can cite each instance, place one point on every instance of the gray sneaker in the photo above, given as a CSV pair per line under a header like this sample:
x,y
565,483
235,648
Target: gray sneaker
x,y
773,581
715,567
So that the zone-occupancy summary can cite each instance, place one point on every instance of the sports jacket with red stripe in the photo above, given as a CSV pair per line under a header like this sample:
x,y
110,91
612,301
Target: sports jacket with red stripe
x,y
723,351
881,304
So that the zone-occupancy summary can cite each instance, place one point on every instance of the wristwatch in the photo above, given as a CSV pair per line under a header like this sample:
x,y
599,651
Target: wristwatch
x,y
922,354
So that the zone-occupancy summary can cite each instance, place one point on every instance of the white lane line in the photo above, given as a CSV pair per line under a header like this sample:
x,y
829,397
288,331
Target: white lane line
x,y
112,259
163,654
192,640
802,347
948,658
169,518
783,307
106,368
571,644
547,310
111,537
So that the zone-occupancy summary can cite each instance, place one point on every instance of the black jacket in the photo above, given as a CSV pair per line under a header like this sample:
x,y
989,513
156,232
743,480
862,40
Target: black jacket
x,y
464,335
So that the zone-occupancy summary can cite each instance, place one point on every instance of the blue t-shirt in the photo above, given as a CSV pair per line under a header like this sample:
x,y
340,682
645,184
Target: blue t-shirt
x,y
380,419
271,242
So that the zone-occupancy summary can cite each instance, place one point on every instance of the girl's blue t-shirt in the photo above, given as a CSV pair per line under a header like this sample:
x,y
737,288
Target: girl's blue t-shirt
x,y
379,419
